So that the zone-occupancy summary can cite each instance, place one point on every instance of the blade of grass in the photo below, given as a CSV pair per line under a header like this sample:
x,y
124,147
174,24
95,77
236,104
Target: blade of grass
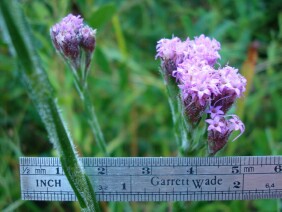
x,y
12,207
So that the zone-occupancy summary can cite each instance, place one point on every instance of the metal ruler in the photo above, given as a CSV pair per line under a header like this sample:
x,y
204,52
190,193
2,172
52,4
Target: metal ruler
x,y
158,179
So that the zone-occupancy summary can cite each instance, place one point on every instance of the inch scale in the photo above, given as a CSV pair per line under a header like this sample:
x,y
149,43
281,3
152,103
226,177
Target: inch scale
x,y
157,179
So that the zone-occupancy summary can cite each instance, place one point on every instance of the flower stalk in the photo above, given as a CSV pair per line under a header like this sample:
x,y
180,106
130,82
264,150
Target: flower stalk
x,y
91,115
75,42
18,35
180,131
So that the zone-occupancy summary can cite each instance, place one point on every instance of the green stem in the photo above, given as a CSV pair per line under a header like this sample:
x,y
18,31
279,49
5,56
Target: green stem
x,y
93,122
181,127
91,116
72,182
80,80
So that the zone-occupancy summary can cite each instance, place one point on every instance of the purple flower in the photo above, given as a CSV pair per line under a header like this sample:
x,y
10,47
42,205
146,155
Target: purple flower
x,y
215,111
236,124
231,81
220,129
216,124
206,49
174,51
70,36
218,133
231,86
202,86
65,36
87,40
171,52
166,48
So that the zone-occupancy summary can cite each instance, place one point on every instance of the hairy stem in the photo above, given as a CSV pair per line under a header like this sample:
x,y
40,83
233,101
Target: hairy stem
x,y
181,131
91,116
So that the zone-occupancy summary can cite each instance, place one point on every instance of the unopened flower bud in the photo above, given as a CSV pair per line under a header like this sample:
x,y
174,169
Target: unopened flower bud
x,y
87,41
70,37
65,37
193,110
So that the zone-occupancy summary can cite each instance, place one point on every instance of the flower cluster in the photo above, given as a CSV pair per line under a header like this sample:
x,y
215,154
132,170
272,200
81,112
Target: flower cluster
x,y
203,87
70,36
174,51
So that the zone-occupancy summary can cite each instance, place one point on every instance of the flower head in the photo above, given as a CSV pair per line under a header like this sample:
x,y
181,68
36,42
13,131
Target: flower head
x,y
171,52
70,36
87,40
205,49
65,35
203,87
166,48
220,129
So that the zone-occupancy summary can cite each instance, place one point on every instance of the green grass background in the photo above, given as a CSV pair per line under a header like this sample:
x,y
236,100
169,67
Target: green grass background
x,y
128,92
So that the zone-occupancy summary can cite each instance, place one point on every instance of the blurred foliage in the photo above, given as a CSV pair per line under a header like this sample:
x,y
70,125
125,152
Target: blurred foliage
x,y
128,91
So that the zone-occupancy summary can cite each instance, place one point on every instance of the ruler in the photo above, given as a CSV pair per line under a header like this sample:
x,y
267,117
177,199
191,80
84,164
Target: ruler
x,y
157,178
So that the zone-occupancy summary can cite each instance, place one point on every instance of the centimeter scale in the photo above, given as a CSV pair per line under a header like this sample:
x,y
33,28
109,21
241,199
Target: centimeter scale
x,y
157,179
